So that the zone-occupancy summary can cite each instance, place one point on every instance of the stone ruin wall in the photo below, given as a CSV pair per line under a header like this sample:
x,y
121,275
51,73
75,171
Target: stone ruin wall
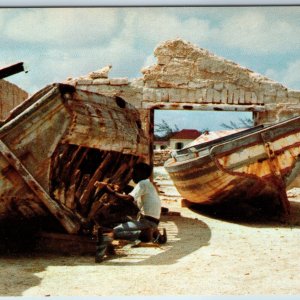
x,y
188,77
160,156
10,97
193,78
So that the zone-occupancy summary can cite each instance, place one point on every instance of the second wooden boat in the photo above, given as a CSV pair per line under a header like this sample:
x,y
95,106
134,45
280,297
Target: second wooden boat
x,y
252,166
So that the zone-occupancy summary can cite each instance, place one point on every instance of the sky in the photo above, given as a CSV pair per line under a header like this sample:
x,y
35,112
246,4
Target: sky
x,y
57,43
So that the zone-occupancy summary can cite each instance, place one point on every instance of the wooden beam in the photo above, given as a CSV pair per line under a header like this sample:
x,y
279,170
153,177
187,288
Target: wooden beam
x,y
11,70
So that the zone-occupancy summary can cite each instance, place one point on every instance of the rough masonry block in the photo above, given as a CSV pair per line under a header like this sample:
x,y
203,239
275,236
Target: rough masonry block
x,y
163,59
269,89
294,94
253,98
151,84
101,81
209,95
217,97
236,96
269,99
218,86
199,96
84,81
146,94
118,81
281,94
260,98
293,100
281,99
204,93
184,95
191,97
224,96
230,96
174,95
242,97
248,98
194,85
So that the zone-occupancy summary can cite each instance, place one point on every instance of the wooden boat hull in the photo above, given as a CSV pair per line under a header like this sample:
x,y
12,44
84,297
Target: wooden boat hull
x,y
56,146
256,164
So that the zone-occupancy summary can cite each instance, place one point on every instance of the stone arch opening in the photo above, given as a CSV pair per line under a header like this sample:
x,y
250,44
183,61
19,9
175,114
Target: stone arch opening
x,y
162,148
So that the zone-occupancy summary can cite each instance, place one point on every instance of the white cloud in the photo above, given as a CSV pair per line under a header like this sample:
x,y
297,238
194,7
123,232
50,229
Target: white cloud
x,y
2,16
274,75
150,27
156,25
68,26
253,29
149,61
257,31
290,77
57,43
54,65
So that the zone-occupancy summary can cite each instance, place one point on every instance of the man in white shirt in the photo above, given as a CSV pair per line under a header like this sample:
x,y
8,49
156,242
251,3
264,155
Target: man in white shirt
x,y
145,196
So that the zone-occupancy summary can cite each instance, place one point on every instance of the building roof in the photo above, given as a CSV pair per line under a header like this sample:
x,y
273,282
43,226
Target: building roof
x,y
186,134
213,135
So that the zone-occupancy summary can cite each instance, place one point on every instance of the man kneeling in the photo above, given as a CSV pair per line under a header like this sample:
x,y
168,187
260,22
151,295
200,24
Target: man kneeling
x,y
145,228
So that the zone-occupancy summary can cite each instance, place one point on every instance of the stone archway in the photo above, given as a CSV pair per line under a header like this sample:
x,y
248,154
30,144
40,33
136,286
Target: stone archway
x,y
188,77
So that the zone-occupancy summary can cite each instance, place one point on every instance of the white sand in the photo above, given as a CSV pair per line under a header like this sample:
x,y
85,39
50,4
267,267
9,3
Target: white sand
x,y
204,256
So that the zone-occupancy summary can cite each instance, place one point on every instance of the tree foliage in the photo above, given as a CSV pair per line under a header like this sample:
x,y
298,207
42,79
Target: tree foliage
x,y
164,130
243,123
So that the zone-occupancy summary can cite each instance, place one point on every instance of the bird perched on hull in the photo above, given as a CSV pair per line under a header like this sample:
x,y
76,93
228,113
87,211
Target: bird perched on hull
x,y
102,73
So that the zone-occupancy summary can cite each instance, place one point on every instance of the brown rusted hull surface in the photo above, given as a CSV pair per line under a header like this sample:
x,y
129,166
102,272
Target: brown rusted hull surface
x,y
56,146
252,165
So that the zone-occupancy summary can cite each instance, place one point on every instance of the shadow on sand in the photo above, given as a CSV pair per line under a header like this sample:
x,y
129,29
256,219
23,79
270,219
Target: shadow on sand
x,y
252,216
181,231
19,271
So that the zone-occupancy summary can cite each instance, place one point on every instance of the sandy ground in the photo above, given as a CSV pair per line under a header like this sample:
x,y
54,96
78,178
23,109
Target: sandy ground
x,y
203,256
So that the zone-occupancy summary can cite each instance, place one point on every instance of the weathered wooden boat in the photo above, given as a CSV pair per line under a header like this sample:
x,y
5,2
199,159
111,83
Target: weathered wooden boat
x,y
253,166
54,149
